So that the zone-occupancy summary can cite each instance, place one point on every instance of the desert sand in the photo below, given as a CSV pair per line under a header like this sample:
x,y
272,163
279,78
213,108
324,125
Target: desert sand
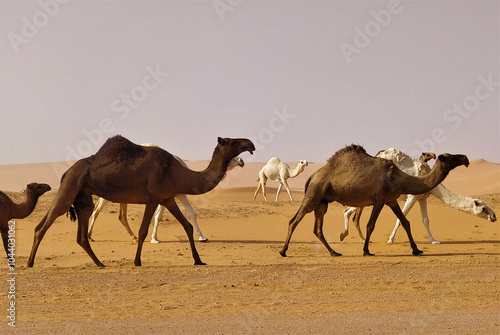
x,y
246,286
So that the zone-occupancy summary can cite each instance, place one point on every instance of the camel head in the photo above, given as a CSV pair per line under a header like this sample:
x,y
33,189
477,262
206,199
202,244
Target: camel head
x,y
452,161
232,147
301,165
236,161
38,189
427,156
483,211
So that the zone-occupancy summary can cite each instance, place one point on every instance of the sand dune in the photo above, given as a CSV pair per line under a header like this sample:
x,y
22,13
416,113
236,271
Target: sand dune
x,y
481,177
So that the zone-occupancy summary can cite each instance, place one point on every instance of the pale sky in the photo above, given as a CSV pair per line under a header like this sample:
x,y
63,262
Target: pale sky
x,y
300,78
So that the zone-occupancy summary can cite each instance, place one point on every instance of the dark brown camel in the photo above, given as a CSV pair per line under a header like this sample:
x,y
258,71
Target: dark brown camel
x,y
124,172
12,210
354,178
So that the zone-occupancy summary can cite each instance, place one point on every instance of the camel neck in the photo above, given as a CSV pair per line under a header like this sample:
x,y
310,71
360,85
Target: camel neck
x,y
459,202
296,171
420,185
206,180
25,207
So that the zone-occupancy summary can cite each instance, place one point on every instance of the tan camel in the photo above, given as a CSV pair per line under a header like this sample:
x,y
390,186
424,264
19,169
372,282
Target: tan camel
x,y
419,168
18,210
124,172
279,171
407,164
354,178
182,198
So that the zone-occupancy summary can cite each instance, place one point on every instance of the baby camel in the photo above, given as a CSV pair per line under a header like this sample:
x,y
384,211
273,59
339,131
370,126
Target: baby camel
x,y
418,168
354,178
279,171
11,210
182,198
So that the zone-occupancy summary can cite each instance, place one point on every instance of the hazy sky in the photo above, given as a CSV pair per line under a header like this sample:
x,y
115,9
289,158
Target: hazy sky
x,y
300,78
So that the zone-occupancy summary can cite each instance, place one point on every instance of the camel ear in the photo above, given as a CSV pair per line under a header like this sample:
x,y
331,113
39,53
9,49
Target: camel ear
x,y
221,141
442,158
476,203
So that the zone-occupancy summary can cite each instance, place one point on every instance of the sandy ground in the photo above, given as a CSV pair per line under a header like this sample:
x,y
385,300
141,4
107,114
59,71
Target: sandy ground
x,y
247,287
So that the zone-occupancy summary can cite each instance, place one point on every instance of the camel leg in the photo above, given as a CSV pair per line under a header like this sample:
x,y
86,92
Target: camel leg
x,y
123,219
357,211
84,206
355,219
319,214
158,214
347,214
377,207
100,205
256,191
425,219
176,212
143,230
406,225
264,191
4,227
279,190
191,216
47,221
287,189
305,207
410,202
263,181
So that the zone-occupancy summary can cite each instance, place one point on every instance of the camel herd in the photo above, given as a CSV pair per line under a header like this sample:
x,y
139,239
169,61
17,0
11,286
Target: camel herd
x,y
124,172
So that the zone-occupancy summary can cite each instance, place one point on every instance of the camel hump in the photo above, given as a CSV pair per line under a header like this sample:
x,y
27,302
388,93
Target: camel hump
x,y
353,148
349,149
274,160
119,149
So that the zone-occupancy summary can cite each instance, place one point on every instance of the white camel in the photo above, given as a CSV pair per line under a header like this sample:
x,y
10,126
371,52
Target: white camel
x,y
182,198
279,171
419,168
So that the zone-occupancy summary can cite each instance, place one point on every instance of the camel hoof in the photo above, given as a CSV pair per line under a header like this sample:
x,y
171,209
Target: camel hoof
x,y
436,242
334,253
366,253
155,241
342,236
202,239
199,263
101,266
91,239
283,253
417,252
389,242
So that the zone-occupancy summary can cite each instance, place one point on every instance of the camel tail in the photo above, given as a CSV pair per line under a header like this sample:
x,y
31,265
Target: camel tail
x,y
307,184
72,213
